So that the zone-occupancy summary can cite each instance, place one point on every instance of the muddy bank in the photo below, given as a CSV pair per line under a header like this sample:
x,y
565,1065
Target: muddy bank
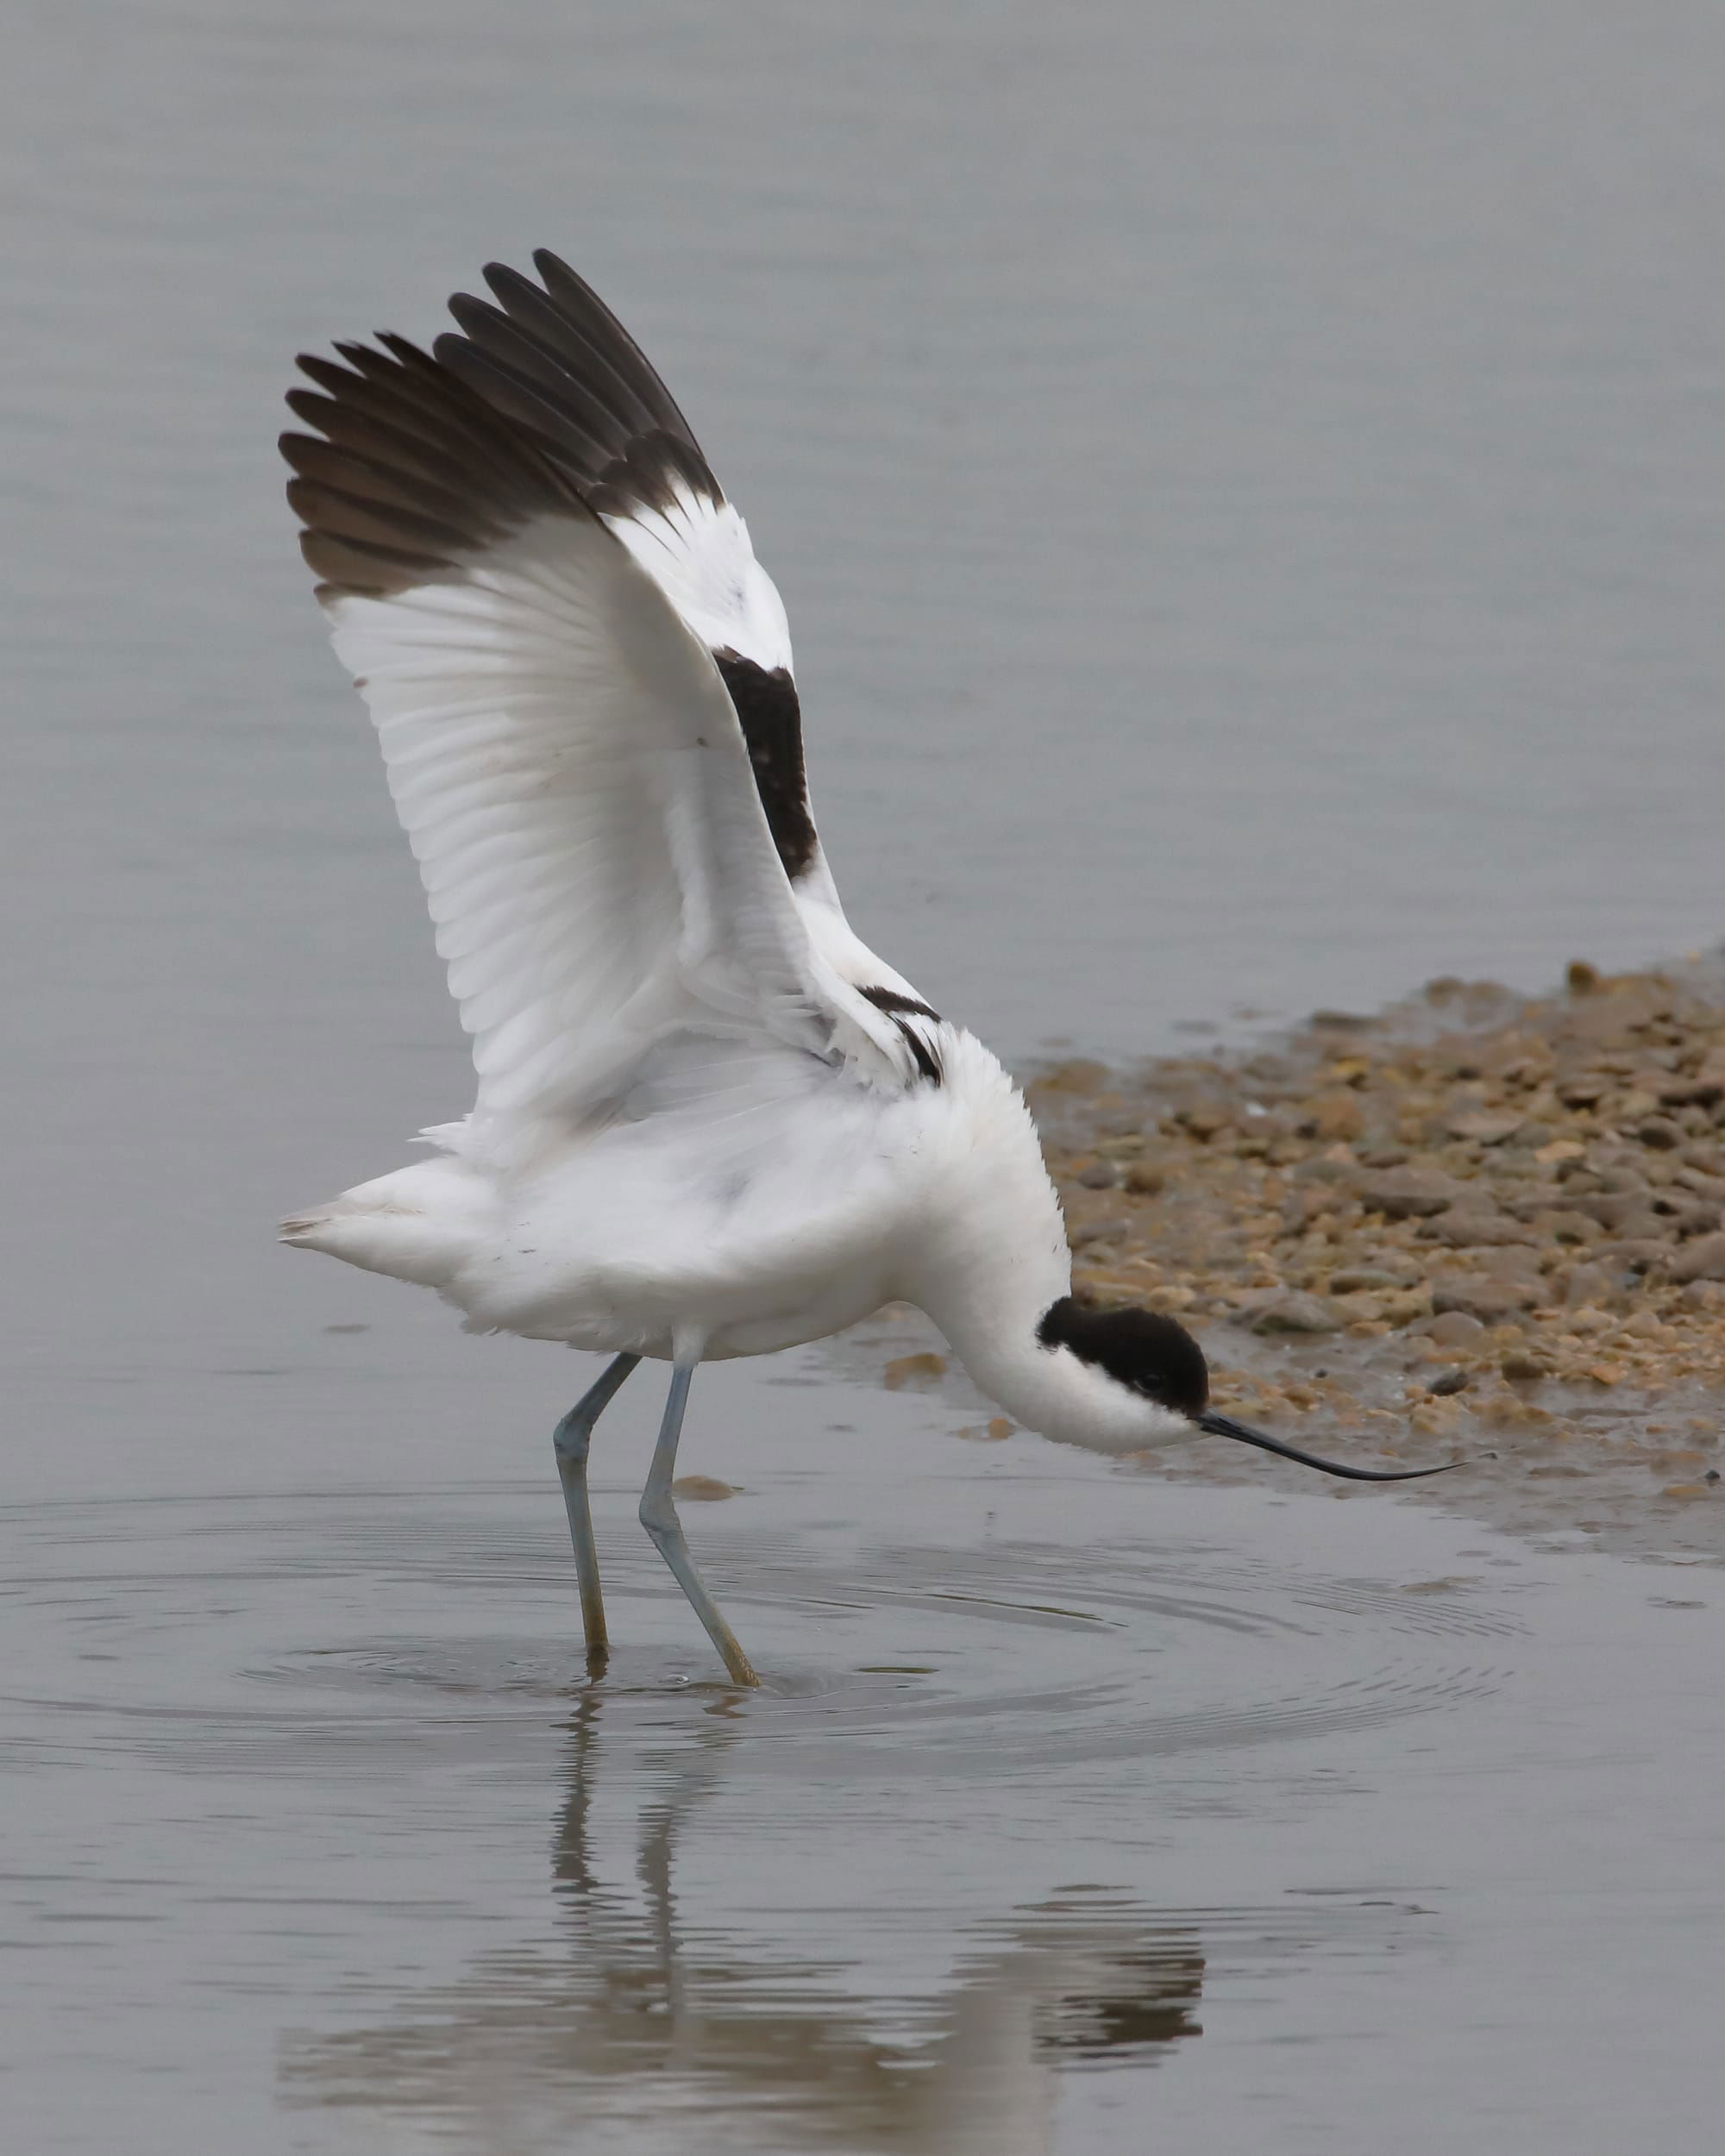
x,y
1476,1224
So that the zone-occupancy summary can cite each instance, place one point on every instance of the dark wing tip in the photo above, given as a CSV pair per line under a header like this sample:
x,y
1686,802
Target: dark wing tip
x,y
538,398
413,473
555,358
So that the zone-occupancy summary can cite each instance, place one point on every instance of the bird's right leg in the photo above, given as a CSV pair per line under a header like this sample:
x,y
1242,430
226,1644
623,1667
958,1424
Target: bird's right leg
x,y
571,1439
659,1517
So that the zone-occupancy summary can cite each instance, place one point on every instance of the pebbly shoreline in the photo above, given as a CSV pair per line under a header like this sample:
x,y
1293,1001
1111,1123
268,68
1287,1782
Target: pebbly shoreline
x,y
1477,1224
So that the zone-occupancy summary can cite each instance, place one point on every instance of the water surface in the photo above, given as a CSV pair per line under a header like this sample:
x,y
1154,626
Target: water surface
x,y
1199,1818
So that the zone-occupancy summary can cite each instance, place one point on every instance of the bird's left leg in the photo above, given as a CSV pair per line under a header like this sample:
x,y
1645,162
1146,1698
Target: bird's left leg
x,y
573,1436
659,1517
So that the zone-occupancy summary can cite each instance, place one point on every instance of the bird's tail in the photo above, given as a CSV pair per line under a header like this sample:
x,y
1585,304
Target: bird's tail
x,y
419,1225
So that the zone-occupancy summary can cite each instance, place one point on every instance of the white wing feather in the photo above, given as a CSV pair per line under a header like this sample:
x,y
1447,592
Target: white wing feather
x,y
698,553
551,611
569,769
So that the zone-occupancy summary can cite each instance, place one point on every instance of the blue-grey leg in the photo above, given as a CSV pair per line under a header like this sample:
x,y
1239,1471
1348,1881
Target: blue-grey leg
x,y
573,1436
659,1517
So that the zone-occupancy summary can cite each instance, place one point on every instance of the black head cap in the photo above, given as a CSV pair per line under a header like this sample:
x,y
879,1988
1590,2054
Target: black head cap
x,y
1139,1348
1161,1362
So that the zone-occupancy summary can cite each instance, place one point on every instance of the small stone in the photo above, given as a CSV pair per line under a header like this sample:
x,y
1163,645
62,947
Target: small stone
x,y
1333,1115
1325,1168
914,1370
1686,1492
1091,1280
1639,1254
1560,1149
1124,1145
1703,1259
1699,1090
702,1489
1585,1090
1095,1234
1508,1411
1521,1366
1100,1175
1587,1283
1365,1280
1660,1134
1565,1226
1588,1321
1486,1126
1583,979
1454,1328
1471,1225
1410,1193
1145,1178
1448,1381
1295,1313
1579,1181
1702,1294
1492,1301
1623,1212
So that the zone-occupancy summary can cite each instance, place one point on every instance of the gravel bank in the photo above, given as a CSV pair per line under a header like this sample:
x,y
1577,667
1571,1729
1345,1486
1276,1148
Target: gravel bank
x,y
1477,1223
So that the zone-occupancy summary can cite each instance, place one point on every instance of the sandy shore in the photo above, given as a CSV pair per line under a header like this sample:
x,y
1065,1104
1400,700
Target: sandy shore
x,y
1475,1224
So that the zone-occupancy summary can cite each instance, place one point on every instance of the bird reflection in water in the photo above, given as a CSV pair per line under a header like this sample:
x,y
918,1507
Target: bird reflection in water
x,y
639,2017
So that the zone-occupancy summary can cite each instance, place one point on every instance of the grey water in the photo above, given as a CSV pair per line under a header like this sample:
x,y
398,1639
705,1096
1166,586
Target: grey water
x,y
1246,486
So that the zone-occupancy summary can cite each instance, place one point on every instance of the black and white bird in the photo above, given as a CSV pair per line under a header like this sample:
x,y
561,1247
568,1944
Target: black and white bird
x,y
710,1121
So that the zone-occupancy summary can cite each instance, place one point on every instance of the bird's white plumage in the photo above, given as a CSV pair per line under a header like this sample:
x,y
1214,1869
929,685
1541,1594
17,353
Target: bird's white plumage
x,y
568,767
698,553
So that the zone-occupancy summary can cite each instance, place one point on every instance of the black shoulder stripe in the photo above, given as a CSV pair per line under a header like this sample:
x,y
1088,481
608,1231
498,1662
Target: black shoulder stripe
x,y
901,1009
927,1063
891,1001
771,719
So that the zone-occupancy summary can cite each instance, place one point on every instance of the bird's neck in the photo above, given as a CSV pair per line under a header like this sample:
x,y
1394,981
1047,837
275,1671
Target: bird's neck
x,y
993,1259
991,1317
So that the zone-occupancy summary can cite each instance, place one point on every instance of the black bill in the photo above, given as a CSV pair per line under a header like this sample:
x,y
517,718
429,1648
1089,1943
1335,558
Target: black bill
x,y
1221,1427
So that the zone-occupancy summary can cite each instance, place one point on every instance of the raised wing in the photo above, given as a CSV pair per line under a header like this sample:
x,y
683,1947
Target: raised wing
x,y
561,366
526,596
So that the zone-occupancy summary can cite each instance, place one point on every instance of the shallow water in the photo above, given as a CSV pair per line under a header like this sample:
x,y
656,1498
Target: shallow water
x,y
1071,1810
1247,498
